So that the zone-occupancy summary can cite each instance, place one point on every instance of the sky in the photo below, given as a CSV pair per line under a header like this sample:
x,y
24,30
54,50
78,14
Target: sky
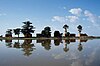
x,y
53,13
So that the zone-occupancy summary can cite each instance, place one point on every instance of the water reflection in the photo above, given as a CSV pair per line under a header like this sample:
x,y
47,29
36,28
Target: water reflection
x,y
45,43
28,47
48,52
80,47
57,42
8,43
17,45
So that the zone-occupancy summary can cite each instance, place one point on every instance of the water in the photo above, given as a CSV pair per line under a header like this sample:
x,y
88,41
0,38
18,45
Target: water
x,y
50,53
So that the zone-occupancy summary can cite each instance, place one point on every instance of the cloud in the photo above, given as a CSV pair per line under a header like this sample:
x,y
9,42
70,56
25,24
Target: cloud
x,y
65,19
59,19
76,11
85,18
91,17
72,18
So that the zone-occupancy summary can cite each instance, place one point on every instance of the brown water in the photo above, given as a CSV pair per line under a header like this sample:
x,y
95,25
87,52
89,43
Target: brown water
x,y
50,53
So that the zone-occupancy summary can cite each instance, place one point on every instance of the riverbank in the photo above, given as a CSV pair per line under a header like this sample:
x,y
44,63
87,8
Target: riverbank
x,y
51,38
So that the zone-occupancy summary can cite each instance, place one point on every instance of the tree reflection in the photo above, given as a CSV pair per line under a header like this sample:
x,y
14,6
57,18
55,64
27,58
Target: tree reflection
x,y
8,43
80,46
1,40
27,47
57,42
66,49
17,45
45,43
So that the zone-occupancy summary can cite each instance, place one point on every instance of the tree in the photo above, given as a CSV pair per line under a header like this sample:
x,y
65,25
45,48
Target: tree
x,y
57,34
46,32
9,31
79,28
65,27
27,29
17,31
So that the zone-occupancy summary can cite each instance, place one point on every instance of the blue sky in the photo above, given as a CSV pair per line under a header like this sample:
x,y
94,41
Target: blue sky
x,y
53,13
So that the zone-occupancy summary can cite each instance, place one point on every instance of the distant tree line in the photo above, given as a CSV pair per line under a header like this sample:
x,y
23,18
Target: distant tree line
x,y
27,30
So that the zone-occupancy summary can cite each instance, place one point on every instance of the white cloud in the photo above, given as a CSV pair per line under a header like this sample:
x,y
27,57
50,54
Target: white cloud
x,y
65,19
91,17
72,18
78,16
59,19
76,11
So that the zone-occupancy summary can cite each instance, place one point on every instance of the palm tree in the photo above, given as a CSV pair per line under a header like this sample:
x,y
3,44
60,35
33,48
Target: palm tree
x,y
27,29
65,27
17,31
79,28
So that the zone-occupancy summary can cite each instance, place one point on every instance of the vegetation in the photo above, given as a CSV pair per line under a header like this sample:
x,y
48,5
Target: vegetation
x,y
9,31
57,34
79,28
17,31
65,27
27,29
46,32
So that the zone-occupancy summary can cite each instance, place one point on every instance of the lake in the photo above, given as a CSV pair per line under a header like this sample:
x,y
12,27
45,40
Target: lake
x,y
50,52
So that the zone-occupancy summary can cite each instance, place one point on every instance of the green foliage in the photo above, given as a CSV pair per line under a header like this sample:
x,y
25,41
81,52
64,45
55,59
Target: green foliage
x,y
27,28
9,31
17,31
65,26
79,28
46,32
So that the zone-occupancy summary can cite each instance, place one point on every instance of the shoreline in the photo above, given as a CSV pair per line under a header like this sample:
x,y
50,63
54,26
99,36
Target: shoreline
x,y
51,38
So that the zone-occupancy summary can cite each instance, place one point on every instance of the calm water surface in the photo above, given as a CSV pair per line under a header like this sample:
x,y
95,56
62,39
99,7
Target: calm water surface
x,y
50,52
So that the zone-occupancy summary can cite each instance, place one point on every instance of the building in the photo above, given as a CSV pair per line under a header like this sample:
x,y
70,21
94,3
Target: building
x,y
83,35
72,35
